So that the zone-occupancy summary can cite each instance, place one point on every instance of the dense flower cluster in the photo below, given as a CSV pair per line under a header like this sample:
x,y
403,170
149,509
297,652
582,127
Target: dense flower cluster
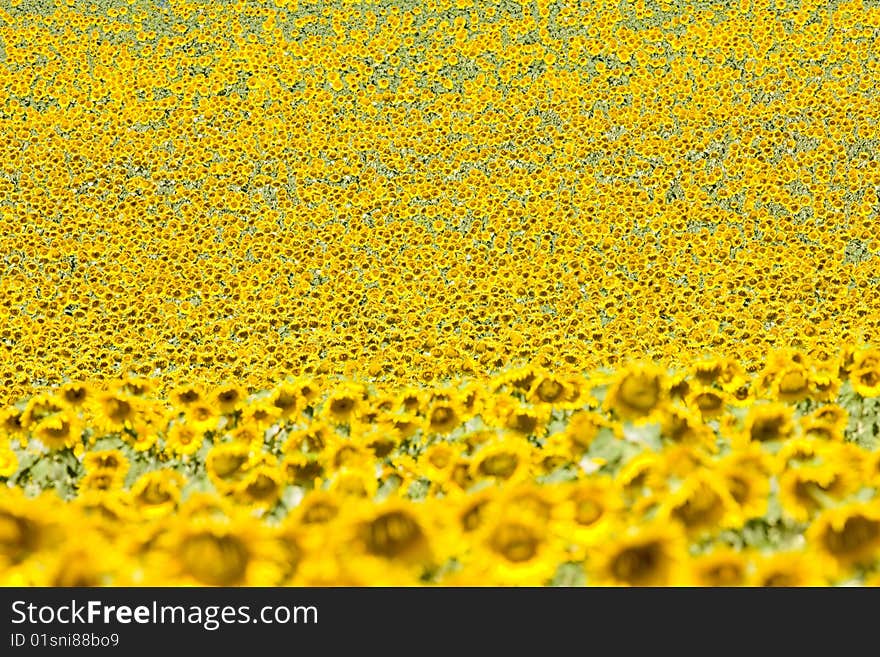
x,y
637,476
404,191
468,291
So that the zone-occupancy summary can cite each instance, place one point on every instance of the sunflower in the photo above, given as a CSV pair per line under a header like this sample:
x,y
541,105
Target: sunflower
x,y
554,454
183,440
40,407
518,380
307,388
708,370
260,414
709,402
260,487
145,433
201,417
76,394
528,421
185,395
514,549
588,512
796,452
748,487
582,428
769,422
808,489
502,460
549,389
683,426
293,550
286,399
58,431
137,386
412,400
11,423
303,469
342,404
436,461
390,543
317,509
848,535
442,417
866,380
228,398
741,392
465,514
529,499
28,526
157,493
109,511
343,452
92,560
226,464
791,384
701,504
721,567
116,411
788,569
680,461
247,434
112,460
101,480
357,480
824,385
647,554
401,425
642,475
237,551
637,392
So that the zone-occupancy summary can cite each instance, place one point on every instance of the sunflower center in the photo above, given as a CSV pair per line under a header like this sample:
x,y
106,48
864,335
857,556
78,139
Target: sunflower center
x,y
225,465
780,578
524,423
517,543
262,488
215,560
709,402
640,392
698,509
320,512
588,512
473,517
725,574
392,534
441,416
549,390
118,410
56,432
154,493
792,382
499,465
341,406
188,396
856,533
739,488
765,429
638,563
74,395
18,536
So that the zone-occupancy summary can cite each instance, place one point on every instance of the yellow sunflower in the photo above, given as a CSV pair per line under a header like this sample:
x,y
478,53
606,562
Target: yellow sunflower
x,y
643,554
637,392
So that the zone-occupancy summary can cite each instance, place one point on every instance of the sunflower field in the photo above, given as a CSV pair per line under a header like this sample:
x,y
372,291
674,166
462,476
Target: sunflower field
x,y
443,292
